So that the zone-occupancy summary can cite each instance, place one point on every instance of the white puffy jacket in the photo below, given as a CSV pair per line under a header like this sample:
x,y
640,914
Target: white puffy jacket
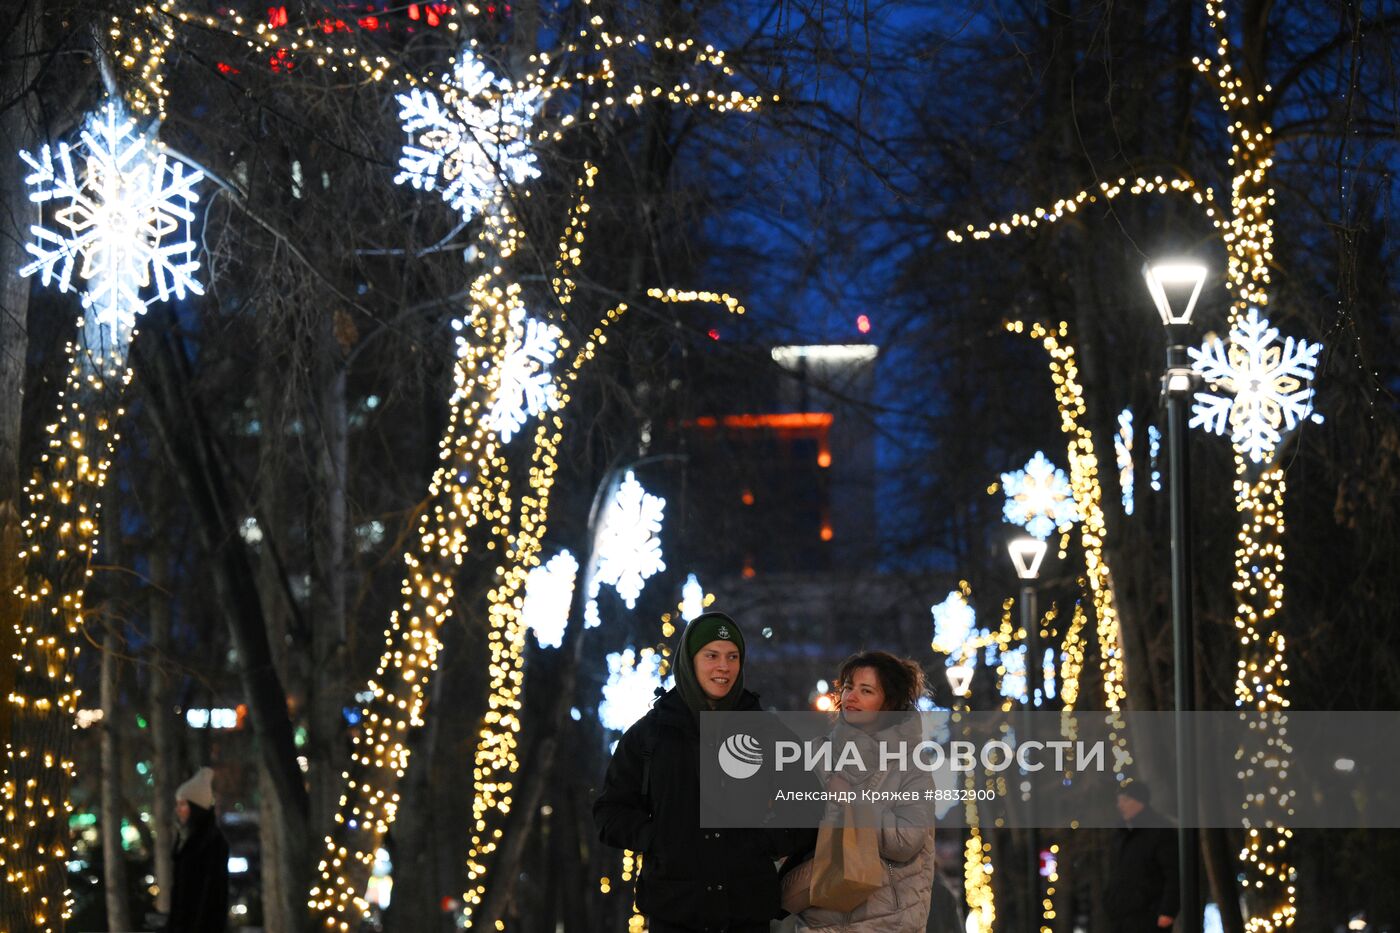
x,y
906,840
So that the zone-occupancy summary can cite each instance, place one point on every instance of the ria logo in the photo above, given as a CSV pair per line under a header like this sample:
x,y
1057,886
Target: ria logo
x,y
740,756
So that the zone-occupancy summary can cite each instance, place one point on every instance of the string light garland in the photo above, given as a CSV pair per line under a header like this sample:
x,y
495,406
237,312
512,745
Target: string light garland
x,y
1088,497
471,503
1123,455
60,531
1247,233
124,242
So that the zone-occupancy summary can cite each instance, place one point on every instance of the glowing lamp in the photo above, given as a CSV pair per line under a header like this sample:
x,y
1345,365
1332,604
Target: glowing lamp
x,y
960,679
1026,555
1175,286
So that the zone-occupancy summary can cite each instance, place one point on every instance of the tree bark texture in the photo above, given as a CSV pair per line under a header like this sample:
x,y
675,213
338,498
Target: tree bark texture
x,y
113,857
166,764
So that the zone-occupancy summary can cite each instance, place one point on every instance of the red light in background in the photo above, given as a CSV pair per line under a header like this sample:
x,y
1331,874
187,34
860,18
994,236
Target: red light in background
x,y
276,16
824,459
226,69
714,334
413,11
369,22
827,533
747,497
863,324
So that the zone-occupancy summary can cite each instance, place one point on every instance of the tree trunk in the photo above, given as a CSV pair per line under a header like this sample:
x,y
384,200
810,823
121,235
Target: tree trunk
x,y
113,858
326,683
19,128
183,431
538,771
167,763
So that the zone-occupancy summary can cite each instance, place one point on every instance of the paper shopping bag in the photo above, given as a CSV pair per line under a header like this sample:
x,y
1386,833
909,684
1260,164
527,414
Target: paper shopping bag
x,y
846,868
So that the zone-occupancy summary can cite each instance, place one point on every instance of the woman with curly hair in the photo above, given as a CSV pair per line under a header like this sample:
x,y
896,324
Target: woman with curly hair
x,y
874,686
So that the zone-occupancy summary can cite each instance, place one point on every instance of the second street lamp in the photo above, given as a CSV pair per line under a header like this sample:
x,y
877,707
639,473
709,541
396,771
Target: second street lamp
x,y
1175,288
1026,555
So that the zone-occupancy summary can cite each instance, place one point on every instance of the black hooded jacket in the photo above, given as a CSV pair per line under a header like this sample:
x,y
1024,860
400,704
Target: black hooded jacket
x,y
701,879
1143,882
199,895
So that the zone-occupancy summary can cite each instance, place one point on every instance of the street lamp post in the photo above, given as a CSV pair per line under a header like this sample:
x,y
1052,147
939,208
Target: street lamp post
x,y
1026,555
1175,287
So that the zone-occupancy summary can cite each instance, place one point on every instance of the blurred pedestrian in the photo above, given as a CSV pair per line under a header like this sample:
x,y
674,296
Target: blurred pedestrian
x,y
1142,895
692,879
878,698
199,895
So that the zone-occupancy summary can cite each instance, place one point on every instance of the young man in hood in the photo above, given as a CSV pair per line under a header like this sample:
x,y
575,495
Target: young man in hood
x,y
692,879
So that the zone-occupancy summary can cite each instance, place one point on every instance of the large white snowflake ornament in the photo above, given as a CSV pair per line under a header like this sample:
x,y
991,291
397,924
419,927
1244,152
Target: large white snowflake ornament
x,y
1262,387
1014,682
549,593
629,542
524,387
470,140
954,621
125,219
630,689
1038,497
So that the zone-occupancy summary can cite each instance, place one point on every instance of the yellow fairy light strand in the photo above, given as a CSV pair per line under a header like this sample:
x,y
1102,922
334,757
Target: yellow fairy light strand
x,y
1104,193
1247,233
60,537
1261,679
1088,496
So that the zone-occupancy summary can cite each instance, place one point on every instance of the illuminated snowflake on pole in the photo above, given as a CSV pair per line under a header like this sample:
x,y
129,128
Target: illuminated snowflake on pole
x,y
1039,498
549,592
630,689
953,623
1013,677
629,543
1263,385
125,221
469,140
1123,449
524,388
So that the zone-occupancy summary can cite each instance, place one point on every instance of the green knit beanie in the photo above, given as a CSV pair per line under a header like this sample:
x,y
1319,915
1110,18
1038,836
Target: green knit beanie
x,y
713,626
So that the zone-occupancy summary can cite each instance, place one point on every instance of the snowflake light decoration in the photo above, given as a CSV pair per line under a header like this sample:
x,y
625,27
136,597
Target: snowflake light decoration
x,y
125,221
1123,450
549,592
1154,452
524,387
471,139
1014,683
1039,498
630,688
692,598
629,543
1047,675
1264,387
953,623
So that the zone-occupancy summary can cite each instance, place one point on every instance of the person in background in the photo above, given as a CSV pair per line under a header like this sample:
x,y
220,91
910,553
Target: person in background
x,y
199,894
1142,893
692,879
